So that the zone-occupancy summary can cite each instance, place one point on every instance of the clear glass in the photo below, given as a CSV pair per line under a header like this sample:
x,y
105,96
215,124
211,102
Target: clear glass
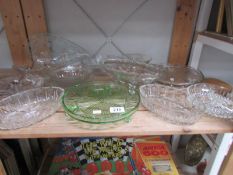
x,y
204,98
29,107
138,57
180,76
132,72
100,102
52,52
169,103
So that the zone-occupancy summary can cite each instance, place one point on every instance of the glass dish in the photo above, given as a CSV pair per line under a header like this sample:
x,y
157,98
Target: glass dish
x,y
52,52
28,107
204,98
70,75
169,103
100,102
132,72
138,57
180,76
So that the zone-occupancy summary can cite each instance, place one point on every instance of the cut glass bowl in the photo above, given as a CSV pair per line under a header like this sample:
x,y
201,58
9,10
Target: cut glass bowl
x,y
100,102
169,103
204,98
28,107
180,76
132,72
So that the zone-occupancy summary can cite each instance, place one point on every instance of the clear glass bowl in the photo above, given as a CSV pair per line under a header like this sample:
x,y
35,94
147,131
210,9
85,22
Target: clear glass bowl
x,y
204,98
52,52
169,103
70,75
138,57
28,107
100,102
132,72
180,76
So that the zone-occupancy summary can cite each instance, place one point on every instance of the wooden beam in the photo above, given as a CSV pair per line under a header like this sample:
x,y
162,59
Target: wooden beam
x,y
226,168
183,30
34,16
16,32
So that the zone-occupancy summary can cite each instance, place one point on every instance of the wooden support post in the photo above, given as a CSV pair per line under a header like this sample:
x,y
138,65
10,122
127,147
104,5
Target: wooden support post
x,y
226,168
34,16
183,30
16,33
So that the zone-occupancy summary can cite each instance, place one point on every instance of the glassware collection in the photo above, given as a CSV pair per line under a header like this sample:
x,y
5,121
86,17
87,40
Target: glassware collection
x,y
64,73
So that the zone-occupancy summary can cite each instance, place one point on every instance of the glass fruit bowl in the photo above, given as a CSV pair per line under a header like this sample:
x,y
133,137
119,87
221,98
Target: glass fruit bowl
x,y
205,98
169,103
132,72
28,107
179,76
70,75
99,102
53,52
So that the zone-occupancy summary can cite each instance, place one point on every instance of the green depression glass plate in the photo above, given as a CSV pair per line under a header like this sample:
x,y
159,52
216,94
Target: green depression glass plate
x,y
100,102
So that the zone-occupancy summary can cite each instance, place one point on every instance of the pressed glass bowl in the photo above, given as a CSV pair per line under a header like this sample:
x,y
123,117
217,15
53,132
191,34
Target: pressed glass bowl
x,y
180,76
28,107
70,75
100,102
132,72
169,103
204,98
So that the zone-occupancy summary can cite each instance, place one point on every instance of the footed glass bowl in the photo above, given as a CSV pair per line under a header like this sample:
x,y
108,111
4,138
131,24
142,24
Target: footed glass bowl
x,y
100,102
205,98
132,72
169,103
28,107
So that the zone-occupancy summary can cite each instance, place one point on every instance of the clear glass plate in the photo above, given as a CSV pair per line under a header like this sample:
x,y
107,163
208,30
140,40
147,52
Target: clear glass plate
x,y
28,107
204,98
132,72
169,103
180,76
100,102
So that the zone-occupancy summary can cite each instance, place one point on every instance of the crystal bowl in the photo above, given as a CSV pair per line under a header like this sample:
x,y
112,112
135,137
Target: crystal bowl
x,y
180,76
28,107
70,75
132,72
205,98
169,103
100,102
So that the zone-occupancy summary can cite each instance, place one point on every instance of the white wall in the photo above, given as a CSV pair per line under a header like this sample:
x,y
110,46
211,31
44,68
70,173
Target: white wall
x,y
148,31
5,56
216,63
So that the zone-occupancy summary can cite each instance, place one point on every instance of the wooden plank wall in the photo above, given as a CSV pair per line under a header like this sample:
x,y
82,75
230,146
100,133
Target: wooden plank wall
x,y
183,30
22,18
15,30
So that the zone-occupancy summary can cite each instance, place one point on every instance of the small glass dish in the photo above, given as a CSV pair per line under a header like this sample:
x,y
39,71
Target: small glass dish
x,y
100,102
132,72
205,98
28,107
179,76
169,103
138,57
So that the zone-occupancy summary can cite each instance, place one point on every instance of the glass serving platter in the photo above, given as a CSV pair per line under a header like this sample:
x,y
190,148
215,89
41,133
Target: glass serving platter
x,y
180,76
169,103
100,102
132,72
204,98
28,107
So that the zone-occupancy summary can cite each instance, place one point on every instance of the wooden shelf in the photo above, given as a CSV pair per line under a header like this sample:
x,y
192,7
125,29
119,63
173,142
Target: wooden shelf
x,y
143,123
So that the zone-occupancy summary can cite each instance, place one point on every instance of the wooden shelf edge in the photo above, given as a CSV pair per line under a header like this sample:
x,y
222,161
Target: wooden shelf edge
x,y
143,123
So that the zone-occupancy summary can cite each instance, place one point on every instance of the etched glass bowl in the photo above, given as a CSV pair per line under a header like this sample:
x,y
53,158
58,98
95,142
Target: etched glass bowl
x,y
132,72
169,103
179,76
204,98
28,107
100,102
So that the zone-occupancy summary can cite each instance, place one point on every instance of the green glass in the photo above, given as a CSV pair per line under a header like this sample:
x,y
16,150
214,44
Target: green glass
x,y
100,102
